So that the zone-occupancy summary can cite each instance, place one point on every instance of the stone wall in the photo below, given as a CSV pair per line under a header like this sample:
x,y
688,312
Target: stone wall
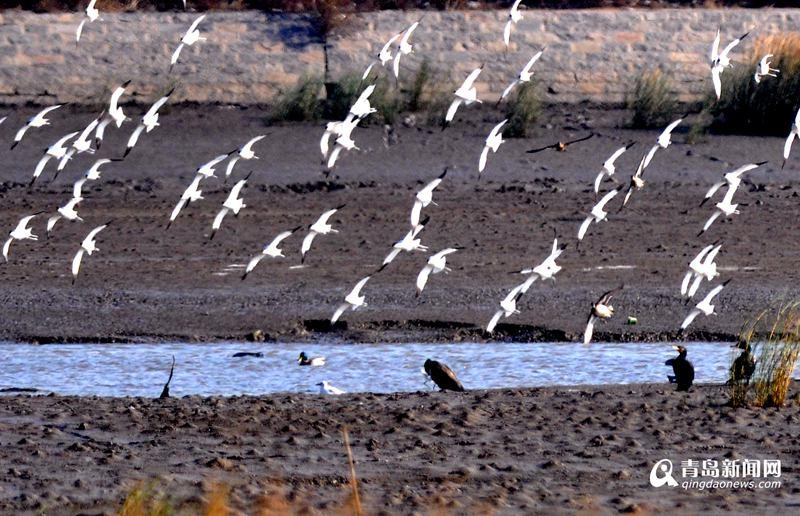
x,y
249,56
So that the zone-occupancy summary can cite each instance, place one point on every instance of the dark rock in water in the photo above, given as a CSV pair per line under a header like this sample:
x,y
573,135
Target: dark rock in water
x,y
253,354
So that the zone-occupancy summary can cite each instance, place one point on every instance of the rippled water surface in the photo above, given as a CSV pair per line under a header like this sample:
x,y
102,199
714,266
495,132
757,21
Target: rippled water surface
x,y
210,369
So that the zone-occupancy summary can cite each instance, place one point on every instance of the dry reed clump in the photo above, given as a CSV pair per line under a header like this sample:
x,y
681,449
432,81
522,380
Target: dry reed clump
x,y
652,101
774,338
145,500
767,108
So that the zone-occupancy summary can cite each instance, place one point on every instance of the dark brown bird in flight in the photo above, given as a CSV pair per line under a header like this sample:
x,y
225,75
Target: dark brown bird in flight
x,y
560,146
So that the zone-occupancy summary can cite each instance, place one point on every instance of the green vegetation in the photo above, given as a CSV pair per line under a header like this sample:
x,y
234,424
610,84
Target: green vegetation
x,y
652,101
301,103
522,110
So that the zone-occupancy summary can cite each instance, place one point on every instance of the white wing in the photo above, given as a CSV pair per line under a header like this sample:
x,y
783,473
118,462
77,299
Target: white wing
x,y
323,219
77,188
422,278
218,219
231,163
710,296
195,23
6,247
40,166
715,47
248,147
79,31
391,256
695,285
252,263
135,136
21,133
527,68
115,98
482,160
366,72
473,75
396,65
357,289
155,107
508,89
416,211
731,46
237,189
51,222
76,262
494,320
610,161
787,147
178,207
689,318
93,233
685,283
451,111
715,78
307,243
278,239
606,198
711,220
584,227
176,54
339,311
334,156
649,157
714,188
587,334
507,32
597,181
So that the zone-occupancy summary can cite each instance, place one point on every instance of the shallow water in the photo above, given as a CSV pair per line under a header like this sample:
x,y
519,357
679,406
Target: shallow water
x,y
209,369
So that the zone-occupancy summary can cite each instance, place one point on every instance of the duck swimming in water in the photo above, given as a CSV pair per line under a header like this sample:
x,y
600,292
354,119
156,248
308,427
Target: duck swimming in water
x,y
744,366
683,369
303,360
442,376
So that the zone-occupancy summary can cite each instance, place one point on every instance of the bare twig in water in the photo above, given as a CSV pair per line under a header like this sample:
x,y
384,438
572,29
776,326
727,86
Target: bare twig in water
x,y
353,481
165,391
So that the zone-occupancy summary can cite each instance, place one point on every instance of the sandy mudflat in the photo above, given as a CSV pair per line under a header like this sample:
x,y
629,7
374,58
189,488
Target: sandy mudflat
x,y
147,283
568,450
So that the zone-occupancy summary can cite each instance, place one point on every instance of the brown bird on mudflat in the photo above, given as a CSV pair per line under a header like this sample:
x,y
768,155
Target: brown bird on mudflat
x,y
560,146
442,376
744,366
683,369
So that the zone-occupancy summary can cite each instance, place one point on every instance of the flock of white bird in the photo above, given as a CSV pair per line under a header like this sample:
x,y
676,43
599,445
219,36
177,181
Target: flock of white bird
x,y
702,267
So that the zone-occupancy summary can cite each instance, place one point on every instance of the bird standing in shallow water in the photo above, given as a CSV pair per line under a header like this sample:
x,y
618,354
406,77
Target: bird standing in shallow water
x,y
683,369
744,366
442,376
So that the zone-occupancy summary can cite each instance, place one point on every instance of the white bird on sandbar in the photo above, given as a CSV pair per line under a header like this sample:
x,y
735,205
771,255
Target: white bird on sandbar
x,y
664,140
245,152
352,301
514,16
344,141
721,60
190,37
466,94
67,212
703,307
192,193
598,213
732,179
404,48
148,123
764,69
545,270
408,243
702,266
88,246
20,232
361,107
724,207
602,309
233,203
493,142
609,168
524,76
38,120
508,307
424,197
793,133
56,150
272,250
92,14
384,56
436,263
320,227
325,387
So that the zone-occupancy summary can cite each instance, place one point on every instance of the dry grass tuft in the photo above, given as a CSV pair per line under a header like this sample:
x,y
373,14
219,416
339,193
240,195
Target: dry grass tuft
x,y
144,500
652,101
355,500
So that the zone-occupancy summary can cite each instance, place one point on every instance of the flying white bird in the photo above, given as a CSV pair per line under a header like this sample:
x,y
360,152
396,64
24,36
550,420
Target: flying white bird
x,y
114,112
636,183
361,108
88,246
721,60
83,143
233,203
732,179
466,94
408,243
331,129
326,388
436,264
191,194
38,120
245,152
724,207
663,141
353,301
609,168
493,142
514,16
92,14
67,212
56,150
207,170
545,270
404,48
703,307
793,133
344,141
21,232
524,76
425,197
598,213
94,171
191,37
601,309
148,123
702,266
272,250
384,56
320,227
508,307
764,69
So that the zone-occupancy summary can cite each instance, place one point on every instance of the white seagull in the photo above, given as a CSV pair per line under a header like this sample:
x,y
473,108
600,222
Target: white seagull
x,y
192,193
272,250
704,306
361,107
207,170
38,120
514,16
92,14
524,76
353,300
56,150
408,243
425,197
148,123
114,111
724,207
609,168
601,309
21,232
67,211
344,141
191,37
493,142
764,69
326,388
598,213
320,227
721,60
384,56
88,246
545,270
94,171
404,48
732,179
664,140
702,266
245,152
508,307
436,264
793,133
233,203
466,94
